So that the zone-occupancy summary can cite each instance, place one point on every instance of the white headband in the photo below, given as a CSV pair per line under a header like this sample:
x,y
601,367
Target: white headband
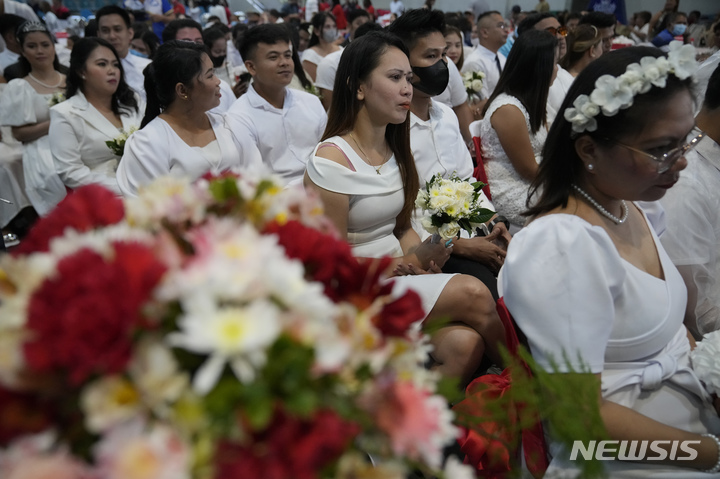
x,y
612,94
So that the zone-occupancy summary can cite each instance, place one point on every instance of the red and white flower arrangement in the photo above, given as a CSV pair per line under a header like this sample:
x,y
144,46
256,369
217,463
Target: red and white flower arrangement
x,y
218,329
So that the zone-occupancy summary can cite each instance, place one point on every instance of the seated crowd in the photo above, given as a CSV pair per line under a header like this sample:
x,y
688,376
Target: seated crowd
x,y
604,241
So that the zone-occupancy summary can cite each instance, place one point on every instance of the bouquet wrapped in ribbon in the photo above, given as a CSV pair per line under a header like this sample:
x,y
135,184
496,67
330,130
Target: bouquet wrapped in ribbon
x,y
216,329
453,204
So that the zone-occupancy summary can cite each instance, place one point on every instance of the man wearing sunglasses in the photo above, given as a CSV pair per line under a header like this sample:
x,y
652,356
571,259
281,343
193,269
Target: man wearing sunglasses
x,y
692,210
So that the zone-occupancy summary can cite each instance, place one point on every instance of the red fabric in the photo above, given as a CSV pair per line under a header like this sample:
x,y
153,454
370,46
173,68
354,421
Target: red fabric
x,y
339,15
486,445
479,172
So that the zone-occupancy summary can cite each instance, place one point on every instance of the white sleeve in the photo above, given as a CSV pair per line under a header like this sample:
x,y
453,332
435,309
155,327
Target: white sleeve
x,y
560,280
142,160
227,98
458,94
326,71
67,156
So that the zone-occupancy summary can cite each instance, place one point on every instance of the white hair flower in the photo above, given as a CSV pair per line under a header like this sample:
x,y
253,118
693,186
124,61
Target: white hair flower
x,y
581,114
610,94
682,60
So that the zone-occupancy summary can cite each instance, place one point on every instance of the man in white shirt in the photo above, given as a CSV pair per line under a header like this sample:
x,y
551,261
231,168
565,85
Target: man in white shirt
x,y
114,26
692,209
492,32
189,30
435,137
397,7
15,8
9,23
285,124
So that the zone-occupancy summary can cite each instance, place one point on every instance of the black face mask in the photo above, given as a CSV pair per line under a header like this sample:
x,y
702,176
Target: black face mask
x,y
433,79
218,61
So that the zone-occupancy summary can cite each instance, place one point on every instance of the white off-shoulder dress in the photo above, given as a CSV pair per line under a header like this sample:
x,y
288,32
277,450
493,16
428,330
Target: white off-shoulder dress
x,y
21,105
571,292
509,189
375,202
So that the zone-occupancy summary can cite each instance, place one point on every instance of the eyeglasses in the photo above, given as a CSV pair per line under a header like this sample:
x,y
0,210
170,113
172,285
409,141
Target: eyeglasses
x,y
503,26
562,31
667,160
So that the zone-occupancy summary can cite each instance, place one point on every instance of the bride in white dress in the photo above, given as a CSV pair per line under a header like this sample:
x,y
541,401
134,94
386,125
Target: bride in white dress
x,y
25,105
588,278
365,174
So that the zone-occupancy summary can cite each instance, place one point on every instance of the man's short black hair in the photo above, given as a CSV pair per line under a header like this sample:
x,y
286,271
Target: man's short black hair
x,y
10,23
172,28
356,13
530,21
599,19
268,33
366,28
113,10
416,24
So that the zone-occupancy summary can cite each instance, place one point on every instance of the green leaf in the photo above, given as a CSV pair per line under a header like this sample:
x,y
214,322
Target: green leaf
x,y
224,189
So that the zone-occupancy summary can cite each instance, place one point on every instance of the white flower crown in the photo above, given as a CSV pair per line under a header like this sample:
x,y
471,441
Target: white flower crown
x,y
612,94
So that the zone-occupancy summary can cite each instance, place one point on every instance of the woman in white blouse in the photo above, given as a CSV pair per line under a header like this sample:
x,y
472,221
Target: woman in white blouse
x,y
322,42
179,135
25,106
100,106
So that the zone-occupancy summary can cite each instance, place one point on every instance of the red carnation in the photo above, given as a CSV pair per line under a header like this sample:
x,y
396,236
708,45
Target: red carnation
x,y
397,316
89,207
82,319
288,448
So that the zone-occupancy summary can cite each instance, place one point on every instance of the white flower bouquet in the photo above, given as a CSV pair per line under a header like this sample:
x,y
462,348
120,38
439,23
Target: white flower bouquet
x,y
453,204
56,98
473,82
706,361
117,145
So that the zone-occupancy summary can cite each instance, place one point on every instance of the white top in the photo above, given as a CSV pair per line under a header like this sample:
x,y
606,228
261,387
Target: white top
x,y
693,236
310,55
375,202
438,147
557,93
455,93
157,150
21,105
78,133
397,7
644,29
7,58
133,67
233,55
509,190
483,60
311,8
327,69
577,299
285,137
227,98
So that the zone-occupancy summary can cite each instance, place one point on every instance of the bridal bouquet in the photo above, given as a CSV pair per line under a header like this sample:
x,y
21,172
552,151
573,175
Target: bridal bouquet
x,y
473,82
453,204
117,145
216,329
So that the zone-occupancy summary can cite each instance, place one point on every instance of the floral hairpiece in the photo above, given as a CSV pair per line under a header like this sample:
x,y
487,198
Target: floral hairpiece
x,y
612,94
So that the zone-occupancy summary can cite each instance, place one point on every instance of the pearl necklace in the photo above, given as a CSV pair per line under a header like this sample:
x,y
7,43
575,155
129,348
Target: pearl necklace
x,y
45,84
603,211
377,168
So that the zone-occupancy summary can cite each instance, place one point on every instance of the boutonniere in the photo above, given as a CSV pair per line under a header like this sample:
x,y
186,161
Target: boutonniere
x,y
57,98
117,145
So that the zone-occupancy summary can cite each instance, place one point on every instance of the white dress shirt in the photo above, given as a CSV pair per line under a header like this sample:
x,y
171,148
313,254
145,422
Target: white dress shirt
x,y
557,93
285,137
133,67
455,94
78,133
692,237
327,69
482,59
438,147
157,150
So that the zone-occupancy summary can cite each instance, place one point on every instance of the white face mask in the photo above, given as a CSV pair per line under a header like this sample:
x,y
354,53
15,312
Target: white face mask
x,y
330,34
475,41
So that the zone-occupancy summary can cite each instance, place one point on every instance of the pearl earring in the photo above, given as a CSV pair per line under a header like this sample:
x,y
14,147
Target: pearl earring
x,y
590,167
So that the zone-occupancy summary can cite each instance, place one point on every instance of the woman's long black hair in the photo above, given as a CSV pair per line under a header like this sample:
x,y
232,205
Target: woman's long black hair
x,y
175,62
561,165
528,74
357,62
124,96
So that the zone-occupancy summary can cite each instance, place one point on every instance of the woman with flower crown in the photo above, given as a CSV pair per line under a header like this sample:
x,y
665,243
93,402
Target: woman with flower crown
x,y
365,174
25,105
588,281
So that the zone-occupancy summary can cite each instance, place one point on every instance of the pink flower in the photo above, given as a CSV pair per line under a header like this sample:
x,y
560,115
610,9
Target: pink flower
x,y
53,466
132,451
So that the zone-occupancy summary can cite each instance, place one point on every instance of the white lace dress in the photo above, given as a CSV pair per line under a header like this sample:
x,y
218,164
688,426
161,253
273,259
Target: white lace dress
x,y
509,190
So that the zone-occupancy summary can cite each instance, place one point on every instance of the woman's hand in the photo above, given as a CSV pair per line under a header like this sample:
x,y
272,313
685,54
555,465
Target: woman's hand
x,y
438,253
402,269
